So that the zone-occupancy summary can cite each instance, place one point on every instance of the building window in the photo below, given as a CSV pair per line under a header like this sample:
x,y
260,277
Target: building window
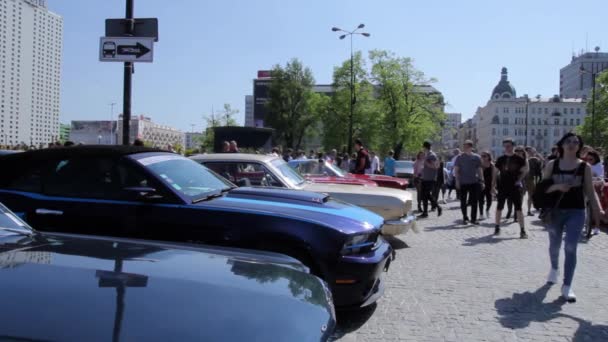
x,y
546,132
533,121
533,132
505,110
505,131
556,121
505,121
578,122
556,132
493,131
571,122
565,121
546,110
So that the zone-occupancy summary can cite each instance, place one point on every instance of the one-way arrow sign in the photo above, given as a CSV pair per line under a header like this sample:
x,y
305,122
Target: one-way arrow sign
x,y
138,50
126,49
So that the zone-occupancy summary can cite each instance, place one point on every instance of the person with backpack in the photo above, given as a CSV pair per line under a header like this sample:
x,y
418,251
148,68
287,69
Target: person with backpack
x,y
570,179
362,161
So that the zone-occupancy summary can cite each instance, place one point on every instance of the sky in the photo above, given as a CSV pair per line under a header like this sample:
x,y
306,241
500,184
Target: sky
x,y
209,52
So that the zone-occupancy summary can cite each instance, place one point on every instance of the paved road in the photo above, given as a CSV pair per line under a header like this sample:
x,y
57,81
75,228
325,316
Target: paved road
x,y
459,283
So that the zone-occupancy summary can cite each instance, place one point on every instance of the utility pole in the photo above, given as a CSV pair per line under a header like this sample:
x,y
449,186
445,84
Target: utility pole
x,y
128,74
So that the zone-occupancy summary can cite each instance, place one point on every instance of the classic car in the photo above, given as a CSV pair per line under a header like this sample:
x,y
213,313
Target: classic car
x,y
321,171
66,287
393,205
136,192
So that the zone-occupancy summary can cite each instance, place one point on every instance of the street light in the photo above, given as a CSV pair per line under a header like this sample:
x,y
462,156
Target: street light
x,y
352,78
526,129
112,122
593,74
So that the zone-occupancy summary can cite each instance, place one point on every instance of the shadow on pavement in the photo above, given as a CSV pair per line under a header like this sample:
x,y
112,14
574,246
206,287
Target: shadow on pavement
x,y
352,320
522,309
450,227
396,243
519,311
488,239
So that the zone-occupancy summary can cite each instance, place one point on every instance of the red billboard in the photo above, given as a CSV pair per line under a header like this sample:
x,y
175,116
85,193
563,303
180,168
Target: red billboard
x,y
263,73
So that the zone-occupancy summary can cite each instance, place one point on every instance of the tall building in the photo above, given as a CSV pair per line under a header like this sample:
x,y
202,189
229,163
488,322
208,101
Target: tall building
x,y
30,68
249,111
142,127
449,132
504,116
576,84
93,132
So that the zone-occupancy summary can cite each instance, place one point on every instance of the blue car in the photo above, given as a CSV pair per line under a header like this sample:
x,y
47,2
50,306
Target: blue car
x,y
137,192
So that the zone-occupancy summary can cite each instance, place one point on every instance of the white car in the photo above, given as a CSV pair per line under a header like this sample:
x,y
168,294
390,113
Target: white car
x,y
393,205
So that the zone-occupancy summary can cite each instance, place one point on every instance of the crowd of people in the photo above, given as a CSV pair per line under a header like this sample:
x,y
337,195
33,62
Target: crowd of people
x,y
572,179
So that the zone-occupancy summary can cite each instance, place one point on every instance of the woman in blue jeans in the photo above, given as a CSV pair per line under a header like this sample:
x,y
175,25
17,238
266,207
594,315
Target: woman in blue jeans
x,y
572,178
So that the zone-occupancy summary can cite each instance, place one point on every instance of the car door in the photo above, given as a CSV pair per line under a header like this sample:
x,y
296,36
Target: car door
x,y
81,195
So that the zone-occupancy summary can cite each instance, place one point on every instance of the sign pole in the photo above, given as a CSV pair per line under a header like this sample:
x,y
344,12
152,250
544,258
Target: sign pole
x,y
128,74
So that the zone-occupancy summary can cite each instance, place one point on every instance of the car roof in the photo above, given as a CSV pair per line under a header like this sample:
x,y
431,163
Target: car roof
x,y
263,158
78,151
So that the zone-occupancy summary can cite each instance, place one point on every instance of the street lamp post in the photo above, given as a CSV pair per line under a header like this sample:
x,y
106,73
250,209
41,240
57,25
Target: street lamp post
x,y
593,75
112,123
526,123
352,78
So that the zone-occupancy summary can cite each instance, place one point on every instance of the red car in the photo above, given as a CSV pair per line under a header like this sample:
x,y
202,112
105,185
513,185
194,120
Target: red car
x,y
324,172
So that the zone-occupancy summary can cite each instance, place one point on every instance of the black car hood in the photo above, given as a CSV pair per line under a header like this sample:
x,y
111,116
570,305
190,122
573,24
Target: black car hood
x,y
74,289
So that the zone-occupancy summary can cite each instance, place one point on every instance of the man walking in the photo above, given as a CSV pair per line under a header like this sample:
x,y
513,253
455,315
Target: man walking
x,y
362,162
429,178
469,181
513,169
375,164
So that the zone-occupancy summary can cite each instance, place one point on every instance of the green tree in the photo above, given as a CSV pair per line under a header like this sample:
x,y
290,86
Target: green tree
x,y
220,119
291,103
409,115
337,117
601,115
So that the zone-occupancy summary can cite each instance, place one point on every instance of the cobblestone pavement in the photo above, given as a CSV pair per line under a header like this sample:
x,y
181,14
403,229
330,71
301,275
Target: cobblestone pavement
x,y
459,283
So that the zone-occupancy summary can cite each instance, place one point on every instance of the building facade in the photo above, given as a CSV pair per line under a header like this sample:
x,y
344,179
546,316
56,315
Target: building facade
x,y
30,67
450,130
573,82
504,116
93,132
193,140
142,127
249,122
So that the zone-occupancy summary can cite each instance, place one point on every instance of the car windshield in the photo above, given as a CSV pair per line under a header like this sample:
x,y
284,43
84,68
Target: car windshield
x,y
186,176
10,221
405,164
287,172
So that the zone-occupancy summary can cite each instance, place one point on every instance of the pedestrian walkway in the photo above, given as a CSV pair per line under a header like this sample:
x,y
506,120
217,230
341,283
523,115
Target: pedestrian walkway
x,y
460,283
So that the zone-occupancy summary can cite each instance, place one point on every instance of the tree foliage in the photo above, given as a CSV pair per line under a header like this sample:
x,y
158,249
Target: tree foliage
x,y
601,115
336,118
292,104
410,115
220,119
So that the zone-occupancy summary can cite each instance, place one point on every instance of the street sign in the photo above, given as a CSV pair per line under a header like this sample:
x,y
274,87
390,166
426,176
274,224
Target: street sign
x,y
126,49
143,27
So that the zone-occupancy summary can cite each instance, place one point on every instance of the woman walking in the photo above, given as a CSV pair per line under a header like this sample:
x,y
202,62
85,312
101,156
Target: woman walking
x,y
572,182
489,178
418,166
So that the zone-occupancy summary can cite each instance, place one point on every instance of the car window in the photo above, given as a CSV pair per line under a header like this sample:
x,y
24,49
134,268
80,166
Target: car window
x,y
84,178
245,174
184,175
287,172
28,179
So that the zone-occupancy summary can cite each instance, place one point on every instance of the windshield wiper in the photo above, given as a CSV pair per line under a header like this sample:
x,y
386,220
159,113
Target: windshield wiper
x,y
208,197
18,231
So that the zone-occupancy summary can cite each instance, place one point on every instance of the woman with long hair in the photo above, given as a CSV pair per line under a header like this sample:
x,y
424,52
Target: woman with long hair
x,y
418,166
573,183
489,178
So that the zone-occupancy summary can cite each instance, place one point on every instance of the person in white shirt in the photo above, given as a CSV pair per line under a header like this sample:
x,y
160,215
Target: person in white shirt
x,y
375,164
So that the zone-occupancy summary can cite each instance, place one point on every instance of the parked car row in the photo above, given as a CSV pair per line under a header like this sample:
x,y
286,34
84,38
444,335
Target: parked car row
x,y
87,204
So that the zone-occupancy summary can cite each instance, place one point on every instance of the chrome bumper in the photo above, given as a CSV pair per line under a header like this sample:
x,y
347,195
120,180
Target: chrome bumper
x,y
402,226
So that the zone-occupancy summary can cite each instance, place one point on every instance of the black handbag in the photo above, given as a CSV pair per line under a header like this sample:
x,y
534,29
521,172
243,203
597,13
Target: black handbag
x,y
546,214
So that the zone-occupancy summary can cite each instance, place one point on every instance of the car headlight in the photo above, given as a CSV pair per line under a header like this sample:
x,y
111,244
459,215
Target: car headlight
x,y
360,243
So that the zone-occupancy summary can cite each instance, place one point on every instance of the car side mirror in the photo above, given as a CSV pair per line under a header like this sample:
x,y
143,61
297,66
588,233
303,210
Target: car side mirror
x,y
143,193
